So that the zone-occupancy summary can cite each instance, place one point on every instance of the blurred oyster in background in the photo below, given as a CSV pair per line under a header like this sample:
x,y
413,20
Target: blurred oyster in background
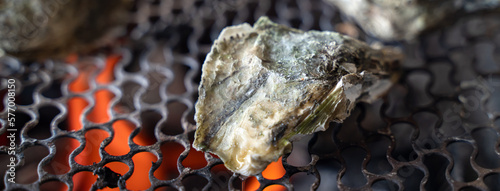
x,y
37,29
266,85
398,20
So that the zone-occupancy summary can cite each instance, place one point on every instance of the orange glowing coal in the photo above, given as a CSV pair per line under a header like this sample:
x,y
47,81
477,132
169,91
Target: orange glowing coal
x,y
139,180
273,171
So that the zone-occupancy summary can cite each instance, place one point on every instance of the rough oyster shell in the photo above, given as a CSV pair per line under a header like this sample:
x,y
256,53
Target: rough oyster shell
x,y
405,20
265,85
41,29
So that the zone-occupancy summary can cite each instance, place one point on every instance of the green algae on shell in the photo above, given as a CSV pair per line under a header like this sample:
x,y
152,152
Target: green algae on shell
x,y
266,85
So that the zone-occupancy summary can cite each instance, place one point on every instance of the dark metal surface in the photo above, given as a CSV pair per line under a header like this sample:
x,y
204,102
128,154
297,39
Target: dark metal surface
x,y
437,129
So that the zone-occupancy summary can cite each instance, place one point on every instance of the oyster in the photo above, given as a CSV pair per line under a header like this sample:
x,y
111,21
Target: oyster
x,y
41,29
264,86
405,20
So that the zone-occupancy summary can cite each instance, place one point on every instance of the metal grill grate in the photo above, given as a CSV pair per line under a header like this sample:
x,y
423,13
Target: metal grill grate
x,y
437,129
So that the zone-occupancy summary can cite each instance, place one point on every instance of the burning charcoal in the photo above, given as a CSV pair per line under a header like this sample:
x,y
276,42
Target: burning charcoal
x,y
397,20
37,29
265,86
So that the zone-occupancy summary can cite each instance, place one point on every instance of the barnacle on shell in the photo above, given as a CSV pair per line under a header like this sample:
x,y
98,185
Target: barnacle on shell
x,y
266,85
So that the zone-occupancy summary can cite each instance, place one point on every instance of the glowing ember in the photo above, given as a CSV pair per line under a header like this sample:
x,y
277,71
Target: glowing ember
x,y
273,171
122,129
139,180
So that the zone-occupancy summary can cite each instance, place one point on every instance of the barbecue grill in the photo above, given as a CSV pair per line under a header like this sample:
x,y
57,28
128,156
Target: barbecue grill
x,y
122,117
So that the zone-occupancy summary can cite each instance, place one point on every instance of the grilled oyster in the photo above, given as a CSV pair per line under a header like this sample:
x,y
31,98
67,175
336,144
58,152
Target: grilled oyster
x,y
265,85
41,29
405,20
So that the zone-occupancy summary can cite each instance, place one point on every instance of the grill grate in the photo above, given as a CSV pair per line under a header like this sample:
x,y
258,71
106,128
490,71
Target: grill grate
x,y
437,129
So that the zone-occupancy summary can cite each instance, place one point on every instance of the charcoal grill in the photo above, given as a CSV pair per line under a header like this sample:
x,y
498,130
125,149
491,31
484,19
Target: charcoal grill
x,y
438,128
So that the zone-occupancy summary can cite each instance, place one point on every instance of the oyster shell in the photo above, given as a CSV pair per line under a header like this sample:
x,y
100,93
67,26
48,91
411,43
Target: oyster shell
x,y
41,29
405,20
264,86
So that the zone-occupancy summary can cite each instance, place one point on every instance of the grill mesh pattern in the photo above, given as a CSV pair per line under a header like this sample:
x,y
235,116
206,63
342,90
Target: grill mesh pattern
x,y
437,129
